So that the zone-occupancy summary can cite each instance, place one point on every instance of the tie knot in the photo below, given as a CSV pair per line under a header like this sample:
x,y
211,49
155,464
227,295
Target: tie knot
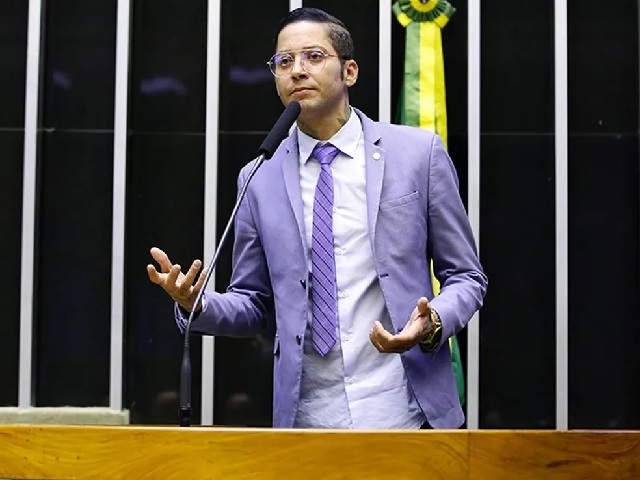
x,y
325,153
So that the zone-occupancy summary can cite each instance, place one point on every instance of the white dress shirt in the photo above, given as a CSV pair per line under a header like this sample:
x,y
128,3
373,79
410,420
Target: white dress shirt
x,y
353,386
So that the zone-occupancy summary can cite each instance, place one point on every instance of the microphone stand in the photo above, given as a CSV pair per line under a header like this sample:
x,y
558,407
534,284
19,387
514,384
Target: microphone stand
x,y
185,369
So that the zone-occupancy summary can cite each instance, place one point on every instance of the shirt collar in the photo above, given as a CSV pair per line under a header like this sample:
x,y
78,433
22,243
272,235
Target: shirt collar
x,y
346,139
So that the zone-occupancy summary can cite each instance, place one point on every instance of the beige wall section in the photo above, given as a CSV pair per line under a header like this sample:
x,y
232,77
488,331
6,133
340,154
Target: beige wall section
x,y
63,416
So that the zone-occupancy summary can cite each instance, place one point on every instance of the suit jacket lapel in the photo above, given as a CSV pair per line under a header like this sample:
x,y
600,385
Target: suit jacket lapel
x,y
291,175
374,167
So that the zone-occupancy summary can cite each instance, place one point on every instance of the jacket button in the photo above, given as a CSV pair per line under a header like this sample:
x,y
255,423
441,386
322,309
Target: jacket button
x,y
298,339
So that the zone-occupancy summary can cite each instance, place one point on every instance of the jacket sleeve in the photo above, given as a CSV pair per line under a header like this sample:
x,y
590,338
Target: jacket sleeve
x,y
452,247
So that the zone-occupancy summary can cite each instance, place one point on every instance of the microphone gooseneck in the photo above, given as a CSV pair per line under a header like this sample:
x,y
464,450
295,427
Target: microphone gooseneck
x,y
270,144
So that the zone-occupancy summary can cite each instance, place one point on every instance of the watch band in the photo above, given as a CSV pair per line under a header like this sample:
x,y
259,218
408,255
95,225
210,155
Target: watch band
x,y
431,342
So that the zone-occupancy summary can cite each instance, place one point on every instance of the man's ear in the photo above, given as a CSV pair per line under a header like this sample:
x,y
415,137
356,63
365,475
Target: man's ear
x,y
350,73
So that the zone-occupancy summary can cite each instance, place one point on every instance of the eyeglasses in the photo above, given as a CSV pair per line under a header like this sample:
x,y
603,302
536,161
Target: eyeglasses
x,y
311,61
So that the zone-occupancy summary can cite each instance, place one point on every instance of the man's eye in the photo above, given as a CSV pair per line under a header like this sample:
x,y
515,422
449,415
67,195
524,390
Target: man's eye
x,y
315,55
284,62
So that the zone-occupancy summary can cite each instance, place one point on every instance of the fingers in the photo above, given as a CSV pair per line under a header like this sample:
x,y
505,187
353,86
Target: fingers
x,y
198,286
162,259
171,282
410,335
154,276
179,287
186,293
375,335
188,279
384,341
376,344
423,306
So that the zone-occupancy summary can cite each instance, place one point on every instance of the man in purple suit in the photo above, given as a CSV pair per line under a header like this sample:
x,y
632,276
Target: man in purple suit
x,y
333,246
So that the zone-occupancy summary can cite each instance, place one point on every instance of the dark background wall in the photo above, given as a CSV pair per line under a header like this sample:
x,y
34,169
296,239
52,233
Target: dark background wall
x,y
165,194
517,218
13,50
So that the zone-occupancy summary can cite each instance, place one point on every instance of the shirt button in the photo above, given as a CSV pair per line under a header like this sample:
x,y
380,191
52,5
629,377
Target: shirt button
x,y
335,209
350,381
342,294
346,338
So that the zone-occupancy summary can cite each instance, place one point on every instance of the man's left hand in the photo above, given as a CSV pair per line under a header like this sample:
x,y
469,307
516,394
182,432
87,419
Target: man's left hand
x,y
417,328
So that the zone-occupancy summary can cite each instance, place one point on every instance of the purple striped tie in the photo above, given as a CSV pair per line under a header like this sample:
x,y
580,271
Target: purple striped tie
x,y
324,305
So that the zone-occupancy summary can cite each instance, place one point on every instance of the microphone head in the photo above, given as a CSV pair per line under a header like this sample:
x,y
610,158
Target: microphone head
x,y
280,130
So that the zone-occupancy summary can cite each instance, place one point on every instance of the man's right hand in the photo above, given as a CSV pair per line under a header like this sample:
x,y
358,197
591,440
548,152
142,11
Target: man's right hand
x,y
180,287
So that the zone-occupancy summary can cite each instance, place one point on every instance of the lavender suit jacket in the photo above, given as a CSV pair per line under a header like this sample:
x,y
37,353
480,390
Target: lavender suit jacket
x,y
414,214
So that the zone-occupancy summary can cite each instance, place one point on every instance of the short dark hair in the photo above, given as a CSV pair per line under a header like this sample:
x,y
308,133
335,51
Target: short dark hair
x,y
337,31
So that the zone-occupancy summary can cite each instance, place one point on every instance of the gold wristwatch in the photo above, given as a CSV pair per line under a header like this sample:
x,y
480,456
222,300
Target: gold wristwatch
x,y
431,342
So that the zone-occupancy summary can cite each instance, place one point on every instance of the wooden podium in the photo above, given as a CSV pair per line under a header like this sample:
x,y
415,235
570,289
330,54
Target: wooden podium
x,y
132,452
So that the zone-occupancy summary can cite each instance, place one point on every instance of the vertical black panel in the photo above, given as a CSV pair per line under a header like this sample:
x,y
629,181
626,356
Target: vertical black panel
x,y
248,107
603,67
517,53
13,38
164,209
73,254
517,222
73,289
11,220
517,323
604,284
79,64
165,196
362,20
168,65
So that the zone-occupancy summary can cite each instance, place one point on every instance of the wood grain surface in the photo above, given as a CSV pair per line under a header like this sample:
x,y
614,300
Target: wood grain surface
x,y
541,455
202,453
130,452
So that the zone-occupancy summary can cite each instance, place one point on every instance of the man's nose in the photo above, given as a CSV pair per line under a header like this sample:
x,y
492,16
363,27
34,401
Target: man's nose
x,y
298,69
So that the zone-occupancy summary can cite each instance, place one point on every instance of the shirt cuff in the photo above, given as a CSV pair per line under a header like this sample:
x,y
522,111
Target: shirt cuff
x,y
182,315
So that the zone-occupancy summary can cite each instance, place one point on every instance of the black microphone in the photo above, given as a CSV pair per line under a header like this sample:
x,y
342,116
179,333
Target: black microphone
x,y
280,130
270,144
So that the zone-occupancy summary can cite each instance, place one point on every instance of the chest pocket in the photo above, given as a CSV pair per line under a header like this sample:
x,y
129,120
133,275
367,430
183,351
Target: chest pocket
x,y
399,201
